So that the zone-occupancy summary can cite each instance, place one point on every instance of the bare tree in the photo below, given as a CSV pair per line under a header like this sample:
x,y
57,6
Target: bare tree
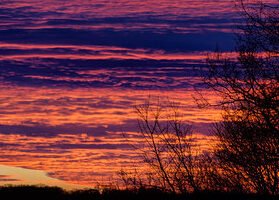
x,y
260,31
172,155
248,152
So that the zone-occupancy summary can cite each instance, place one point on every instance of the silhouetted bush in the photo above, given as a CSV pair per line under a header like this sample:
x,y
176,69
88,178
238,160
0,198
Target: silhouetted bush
x,y
87,194
32,193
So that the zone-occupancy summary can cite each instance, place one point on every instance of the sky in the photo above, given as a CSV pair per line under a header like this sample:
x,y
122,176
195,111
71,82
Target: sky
x,y
71,73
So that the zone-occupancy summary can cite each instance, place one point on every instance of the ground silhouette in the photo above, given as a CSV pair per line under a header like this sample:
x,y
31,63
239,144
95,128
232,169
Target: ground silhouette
x,y
56,193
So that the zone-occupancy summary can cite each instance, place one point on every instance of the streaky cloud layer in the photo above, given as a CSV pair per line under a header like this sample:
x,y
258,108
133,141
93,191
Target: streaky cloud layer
x,y
71,73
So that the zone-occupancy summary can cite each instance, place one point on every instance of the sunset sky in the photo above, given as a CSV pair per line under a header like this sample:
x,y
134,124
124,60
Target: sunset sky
x,y
72,71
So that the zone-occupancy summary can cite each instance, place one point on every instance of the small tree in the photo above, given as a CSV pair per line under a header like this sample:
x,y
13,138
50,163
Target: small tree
x,y
173,157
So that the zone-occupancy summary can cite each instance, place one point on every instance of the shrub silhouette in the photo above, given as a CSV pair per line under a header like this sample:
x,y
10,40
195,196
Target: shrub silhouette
x,y
32,193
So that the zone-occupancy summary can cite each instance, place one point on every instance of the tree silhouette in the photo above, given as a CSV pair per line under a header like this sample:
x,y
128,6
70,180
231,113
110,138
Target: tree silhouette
x,y
248,152
169,149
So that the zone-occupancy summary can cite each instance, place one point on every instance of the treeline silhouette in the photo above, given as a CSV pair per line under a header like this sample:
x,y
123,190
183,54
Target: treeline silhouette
x,y
56,193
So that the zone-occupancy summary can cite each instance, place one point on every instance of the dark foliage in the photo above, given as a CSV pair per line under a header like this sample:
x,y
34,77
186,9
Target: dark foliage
x,y
55,193
31,193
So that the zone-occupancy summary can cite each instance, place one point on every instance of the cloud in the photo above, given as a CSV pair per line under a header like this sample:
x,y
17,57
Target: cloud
x,y
71,74
169,41
137,74
5,178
